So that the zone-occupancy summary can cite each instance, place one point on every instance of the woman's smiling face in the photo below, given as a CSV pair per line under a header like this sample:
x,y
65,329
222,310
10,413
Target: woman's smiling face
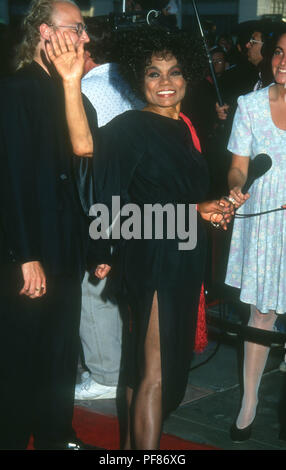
x,y
164,84
279,61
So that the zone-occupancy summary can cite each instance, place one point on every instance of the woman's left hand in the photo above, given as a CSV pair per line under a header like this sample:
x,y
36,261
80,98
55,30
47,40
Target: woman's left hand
x,y
218,212
102,270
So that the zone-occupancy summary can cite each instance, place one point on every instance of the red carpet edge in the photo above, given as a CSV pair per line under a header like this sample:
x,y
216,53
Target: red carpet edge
x,y
103,431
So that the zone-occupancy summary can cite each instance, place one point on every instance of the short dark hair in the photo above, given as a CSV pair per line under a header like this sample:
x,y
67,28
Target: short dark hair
x,y
217,49
226,36
101,45
136,48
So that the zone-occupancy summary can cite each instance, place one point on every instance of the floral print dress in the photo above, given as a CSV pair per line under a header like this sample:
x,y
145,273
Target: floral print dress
x,y
257,259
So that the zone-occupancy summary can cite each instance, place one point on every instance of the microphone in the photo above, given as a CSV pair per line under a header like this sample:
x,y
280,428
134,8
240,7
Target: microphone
x,y
257,168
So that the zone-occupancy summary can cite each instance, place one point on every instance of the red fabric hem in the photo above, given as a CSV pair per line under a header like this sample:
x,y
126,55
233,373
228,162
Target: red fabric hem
x,y
201,340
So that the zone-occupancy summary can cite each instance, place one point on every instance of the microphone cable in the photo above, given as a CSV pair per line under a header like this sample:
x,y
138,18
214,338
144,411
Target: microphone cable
x,y
245,216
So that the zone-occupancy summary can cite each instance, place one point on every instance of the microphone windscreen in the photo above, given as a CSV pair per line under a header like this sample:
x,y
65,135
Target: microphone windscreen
x,y
257,168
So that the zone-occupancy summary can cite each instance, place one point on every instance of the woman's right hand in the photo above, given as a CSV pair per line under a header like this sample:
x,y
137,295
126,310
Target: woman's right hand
x,y
67,58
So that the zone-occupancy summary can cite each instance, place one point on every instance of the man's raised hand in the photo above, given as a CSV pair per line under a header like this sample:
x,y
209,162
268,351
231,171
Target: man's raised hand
x,y
67,58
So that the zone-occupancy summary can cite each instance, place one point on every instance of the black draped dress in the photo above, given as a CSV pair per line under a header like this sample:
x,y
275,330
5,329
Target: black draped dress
x,y
146,158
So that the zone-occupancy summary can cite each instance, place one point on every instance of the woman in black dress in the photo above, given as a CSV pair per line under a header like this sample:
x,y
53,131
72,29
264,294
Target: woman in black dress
x,y
149,157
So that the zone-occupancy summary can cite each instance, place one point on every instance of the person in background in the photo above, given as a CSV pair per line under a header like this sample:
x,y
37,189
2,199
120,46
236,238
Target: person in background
x,y
199,105
219,61
244,78
170,11
132,5
225,41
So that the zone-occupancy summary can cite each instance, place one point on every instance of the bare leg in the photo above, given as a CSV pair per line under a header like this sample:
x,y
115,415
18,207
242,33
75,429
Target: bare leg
x,y
255,357
148,400
129,397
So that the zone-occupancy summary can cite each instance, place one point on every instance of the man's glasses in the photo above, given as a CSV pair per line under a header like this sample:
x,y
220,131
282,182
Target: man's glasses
x,y
78,28
254,41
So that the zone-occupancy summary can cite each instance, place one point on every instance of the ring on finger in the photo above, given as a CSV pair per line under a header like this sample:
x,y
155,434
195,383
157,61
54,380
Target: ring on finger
x,y
215,224
232,200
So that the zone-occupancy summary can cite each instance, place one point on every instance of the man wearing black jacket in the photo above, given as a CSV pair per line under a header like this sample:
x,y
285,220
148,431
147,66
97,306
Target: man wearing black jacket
x,y
44,237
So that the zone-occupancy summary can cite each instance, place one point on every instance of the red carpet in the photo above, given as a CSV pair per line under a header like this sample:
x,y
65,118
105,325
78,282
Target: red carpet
x,y
103,431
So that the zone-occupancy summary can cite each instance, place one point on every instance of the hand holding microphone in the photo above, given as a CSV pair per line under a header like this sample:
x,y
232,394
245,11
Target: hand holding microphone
x,y
236,197
257,168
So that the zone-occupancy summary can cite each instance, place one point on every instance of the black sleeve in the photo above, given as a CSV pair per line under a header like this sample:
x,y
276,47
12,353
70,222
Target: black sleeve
x,y
106,183
99,251
117,151
83,165
19,150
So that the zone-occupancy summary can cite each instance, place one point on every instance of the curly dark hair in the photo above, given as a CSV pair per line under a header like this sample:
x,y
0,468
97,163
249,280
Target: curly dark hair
x,y
101,35
136,48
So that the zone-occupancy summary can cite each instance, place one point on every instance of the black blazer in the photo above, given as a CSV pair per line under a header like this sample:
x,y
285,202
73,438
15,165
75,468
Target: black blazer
x,y
41,217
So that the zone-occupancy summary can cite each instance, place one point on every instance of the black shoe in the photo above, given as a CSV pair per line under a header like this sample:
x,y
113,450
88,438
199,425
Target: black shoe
x,y
78,445
75,444
240,435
